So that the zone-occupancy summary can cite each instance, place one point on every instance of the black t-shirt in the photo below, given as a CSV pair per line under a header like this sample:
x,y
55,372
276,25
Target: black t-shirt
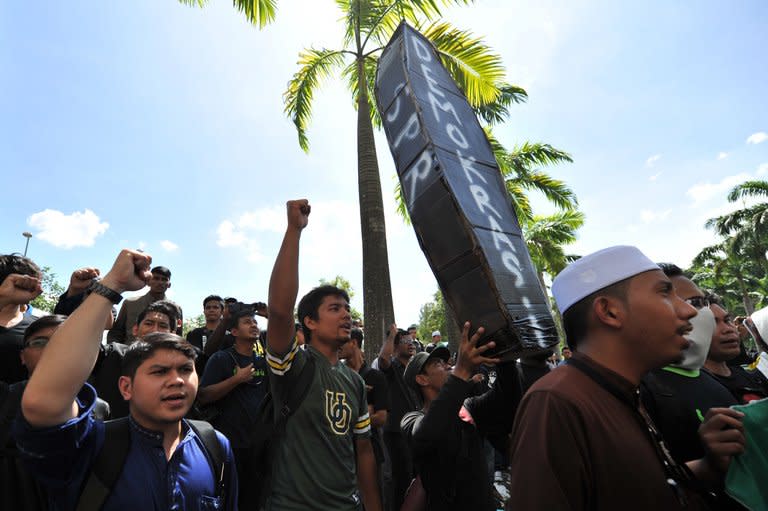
x,y
239,407
378,397
745,385
677,403
401,399
11,343
199,337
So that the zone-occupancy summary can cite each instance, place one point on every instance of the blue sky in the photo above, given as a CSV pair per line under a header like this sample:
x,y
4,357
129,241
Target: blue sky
x,y
151,124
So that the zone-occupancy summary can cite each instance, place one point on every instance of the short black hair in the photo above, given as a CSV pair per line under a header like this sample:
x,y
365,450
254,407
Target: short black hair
x,y
715,299
576,318
216,298
162,270
672,270
15,263
166,307
234,319
310,304
141,350
42,323
357,335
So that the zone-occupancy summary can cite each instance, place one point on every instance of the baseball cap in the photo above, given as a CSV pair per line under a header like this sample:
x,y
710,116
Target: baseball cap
x,y
419,360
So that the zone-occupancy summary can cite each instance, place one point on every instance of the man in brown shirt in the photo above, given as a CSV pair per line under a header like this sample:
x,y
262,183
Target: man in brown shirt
x,y
581,440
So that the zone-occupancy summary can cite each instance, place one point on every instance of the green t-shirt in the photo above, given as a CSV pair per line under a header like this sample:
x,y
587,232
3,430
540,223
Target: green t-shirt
x,y
315,466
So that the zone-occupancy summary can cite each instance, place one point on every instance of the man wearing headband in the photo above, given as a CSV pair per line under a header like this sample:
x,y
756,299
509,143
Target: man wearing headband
x,y
581,438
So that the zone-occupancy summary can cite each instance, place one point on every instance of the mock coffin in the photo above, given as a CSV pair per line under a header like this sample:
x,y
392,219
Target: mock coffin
x,y
455,195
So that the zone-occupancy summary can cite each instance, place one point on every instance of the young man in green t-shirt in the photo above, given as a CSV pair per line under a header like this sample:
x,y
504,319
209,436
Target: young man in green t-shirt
x,y
325,460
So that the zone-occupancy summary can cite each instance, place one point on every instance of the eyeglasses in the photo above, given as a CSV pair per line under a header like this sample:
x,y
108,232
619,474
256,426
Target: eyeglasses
x,y
38,342
697,302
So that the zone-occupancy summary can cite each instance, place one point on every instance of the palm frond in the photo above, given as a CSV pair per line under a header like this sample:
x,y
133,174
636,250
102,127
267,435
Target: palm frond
x,y
476,69
257,12
315,65
748,189
498,111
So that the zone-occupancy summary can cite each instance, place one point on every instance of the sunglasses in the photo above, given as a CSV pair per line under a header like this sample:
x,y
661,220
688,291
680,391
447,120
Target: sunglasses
x,y
697,302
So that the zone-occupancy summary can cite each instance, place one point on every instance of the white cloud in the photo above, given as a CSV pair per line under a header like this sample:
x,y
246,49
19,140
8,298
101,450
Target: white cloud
x,y
648,216
652,160
702,192
229,236
655,176
722,155
169,246
762,169
142,245
79,229
756,138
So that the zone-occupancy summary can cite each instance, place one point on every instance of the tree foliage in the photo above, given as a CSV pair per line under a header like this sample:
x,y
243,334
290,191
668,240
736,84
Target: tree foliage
x,y
257,12
736,267
192,323
432,317
51,292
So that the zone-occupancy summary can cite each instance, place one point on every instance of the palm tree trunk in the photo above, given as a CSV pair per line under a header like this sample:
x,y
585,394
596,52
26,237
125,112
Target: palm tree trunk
x,y
378,311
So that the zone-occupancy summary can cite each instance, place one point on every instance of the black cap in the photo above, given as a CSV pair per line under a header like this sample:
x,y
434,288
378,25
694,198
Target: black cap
x,y
419,360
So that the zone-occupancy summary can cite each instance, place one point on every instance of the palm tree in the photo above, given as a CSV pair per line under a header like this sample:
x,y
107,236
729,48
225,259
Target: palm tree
x,y
546,237
368,26
258,12
736,267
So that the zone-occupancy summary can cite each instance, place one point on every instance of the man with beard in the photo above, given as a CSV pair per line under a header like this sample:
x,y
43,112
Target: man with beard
x,y
62,442
581,439
746,386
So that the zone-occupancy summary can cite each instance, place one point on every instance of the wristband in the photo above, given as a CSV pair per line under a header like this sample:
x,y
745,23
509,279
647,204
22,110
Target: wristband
x,y
100,289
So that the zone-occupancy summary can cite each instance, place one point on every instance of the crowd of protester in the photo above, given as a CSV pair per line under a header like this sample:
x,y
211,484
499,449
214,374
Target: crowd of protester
x,y
110,408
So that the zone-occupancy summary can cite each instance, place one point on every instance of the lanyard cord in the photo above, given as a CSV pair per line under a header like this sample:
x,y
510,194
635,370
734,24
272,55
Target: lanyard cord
x,y
674,472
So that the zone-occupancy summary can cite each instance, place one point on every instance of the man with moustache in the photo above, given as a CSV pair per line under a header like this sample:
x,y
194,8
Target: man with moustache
x,y
679,395
582,439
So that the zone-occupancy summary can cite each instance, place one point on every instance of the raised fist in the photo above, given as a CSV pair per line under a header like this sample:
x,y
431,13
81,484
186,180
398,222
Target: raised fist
x,y
298,213
130,271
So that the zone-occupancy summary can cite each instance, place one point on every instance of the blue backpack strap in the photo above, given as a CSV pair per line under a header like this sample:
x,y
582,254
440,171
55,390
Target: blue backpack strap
x,y
107,466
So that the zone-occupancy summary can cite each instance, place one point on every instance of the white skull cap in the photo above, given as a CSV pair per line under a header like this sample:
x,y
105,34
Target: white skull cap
x,y
597,271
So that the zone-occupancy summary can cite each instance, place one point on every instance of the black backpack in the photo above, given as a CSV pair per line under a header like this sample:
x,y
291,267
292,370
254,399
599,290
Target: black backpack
x,y
270,428
117,441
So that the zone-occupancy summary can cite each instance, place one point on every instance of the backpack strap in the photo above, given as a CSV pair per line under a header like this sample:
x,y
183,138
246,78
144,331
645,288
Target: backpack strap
x,y
107,466
213,448
295,395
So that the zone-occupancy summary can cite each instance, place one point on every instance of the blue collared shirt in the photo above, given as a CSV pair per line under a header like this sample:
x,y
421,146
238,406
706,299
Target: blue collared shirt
x,y
61,458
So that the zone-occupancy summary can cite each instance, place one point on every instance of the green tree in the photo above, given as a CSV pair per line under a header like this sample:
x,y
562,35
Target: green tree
x,y
368,25
546,238
192,323
258,12
432,317
51,292
736,267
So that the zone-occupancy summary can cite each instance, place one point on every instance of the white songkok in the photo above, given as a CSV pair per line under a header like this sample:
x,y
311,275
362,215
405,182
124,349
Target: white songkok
x,y
597,271
760,319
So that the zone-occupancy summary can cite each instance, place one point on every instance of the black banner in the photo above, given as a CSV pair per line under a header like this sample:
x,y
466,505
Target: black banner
x,y
457,201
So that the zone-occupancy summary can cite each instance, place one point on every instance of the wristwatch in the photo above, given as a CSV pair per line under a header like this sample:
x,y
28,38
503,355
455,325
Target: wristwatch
x,y
100,289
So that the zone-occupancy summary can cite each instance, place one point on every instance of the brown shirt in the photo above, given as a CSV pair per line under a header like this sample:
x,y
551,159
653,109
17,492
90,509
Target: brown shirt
x,y
576,446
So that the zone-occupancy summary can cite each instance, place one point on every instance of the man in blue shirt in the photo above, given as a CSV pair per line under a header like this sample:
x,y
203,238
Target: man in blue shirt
x,y
167,466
